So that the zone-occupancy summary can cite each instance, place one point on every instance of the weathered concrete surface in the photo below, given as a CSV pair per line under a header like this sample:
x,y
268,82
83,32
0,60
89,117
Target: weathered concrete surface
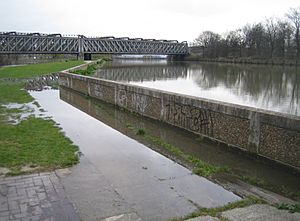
x,y
34,197
269,134
117,175
204,218
124,217
260,213
244,189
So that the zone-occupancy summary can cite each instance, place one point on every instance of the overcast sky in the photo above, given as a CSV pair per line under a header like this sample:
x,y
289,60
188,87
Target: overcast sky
x,y
160,19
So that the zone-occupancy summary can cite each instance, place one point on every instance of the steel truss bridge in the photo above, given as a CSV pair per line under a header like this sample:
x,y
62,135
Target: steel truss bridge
x,y
36,43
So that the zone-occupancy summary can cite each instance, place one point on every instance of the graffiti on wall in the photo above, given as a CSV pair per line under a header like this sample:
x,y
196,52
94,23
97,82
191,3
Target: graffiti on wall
x,y
139,102
192,118
98,91
122,98
64,81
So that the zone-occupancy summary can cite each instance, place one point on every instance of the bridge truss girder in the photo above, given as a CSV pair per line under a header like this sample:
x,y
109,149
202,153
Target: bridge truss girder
x,y
133,47
37,45
43,44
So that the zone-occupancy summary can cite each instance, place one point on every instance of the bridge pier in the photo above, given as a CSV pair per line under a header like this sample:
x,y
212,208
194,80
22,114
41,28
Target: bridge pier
x,y
84,56
87,56
176,57
80,56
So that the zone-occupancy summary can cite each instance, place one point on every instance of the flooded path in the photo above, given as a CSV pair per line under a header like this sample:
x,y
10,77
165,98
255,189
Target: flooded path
x,y
211,153
118,175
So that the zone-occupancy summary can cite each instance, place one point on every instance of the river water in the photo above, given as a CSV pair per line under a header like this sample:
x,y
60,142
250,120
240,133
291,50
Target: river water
x,y
273,88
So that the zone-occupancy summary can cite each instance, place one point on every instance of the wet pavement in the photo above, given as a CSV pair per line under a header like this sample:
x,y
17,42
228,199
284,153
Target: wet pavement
x,y
36,197
209,152
118,175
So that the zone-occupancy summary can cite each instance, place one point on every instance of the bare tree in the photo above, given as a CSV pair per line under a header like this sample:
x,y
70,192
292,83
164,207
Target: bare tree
x,y
272,32
294,16
255,39
207,38
272,38
235,40
284,38
209,41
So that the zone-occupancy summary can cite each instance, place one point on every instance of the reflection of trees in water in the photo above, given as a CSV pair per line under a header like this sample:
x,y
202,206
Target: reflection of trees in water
x,y
264,84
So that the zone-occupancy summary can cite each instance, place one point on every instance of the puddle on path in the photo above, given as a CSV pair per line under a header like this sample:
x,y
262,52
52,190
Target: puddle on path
x,y
118,174
14,113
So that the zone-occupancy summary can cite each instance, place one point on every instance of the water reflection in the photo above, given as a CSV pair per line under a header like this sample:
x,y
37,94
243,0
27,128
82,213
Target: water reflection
x,y
143,72
269,87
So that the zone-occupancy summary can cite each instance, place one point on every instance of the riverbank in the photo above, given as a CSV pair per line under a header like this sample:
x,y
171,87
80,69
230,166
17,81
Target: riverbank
x,y
94,172
161,139
282,62
30,142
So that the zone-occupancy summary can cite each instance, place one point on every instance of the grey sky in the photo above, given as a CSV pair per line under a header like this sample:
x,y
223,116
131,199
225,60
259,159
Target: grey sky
x,y
161,19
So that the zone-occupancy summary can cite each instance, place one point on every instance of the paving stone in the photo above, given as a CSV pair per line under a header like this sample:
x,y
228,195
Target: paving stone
x,y
21,191
4,213
3,207
12,204
13,212
38,182
6,218
34,197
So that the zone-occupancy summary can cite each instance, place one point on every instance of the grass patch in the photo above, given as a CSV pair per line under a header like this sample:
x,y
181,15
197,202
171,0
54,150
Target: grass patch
x,y
13,93
36,104
215,212
254,181
140,131
199,167
33,70
90,69
293,208
37,142
33,141
129,126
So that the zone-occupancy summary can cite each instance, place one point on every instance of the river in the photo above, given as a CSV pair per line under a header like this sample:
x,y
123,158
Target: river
x,y
273,88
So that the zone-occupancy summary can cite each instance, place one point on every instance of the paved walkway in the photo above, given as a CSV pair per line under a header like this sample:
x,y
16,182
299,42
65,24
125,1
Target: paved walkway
x,y
118,175
34,197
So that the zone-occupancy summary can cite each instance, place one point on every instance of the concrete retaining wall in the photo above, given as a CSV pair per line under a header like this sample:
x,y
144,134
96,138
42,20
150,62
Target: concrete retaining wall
x,y
269,134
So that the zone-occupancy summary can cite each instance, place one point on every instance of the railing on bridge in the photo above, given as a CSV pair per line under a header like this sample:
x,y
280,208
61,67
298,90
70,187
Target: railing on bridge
x,y
37,43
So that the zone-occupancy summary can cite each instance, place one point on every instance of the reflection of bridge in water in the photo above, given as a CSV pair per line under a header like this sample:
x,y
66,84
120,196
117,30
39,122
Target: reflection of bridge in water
x,y
143,73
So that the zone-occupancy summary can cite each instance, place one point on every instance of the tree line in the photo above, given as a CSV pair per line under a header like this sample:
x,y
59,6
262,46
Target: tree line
x,y
271,38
